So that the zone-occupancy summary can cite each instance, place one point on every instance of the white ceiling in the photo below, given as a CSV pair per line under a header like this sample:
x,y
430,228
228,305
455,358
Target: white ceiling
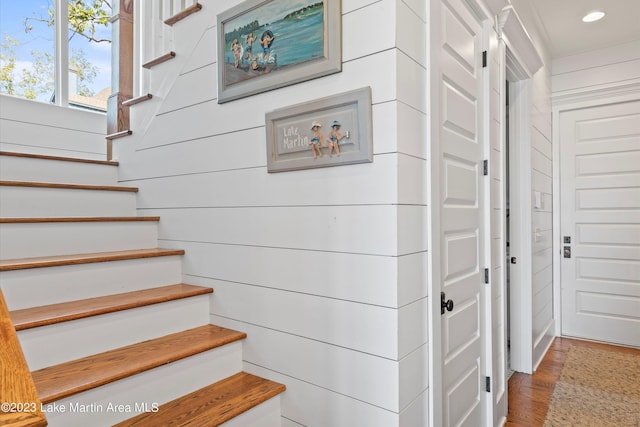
x,y
568,35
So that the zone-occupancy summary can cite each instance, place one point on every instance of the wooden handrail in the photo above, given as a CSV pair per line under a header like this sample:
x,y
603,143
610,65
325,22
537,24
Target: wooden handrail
x,y
19,402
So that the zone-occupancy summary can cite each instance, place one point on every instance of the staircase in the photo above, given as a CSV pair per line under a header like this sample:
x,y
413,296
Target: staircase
x,y
109,332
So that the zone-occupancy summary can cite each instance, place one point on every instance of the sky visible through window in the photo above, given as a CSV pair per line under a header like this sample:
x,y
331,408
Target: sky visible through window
x,y
27,49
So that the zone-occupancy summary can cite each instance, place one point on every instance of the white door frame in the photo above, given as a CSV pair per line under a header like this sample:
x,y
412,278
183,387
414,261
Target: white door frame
x,y
434,219
600,96
521,62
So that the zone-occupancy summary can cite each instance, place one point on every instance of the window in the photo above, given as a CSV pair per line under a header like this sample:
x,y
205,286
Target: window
x,y
36,47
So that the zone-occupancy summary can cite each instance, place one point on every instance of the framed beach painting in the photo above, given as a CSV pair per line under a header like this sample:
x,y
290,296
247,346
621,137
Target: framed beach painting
x,y
267,44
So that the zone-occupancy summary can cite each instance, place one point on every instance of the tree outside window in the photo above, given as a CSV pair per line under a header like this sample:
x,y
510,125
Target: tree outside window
x,y
27,54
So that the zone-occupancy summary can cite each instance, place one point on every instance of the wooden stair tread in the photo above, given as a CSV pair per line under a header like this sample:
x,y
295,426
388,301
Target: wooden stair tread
x,y
211,405
68,186
183,14
54,261
159,60
119,134
59,158
69,378
137,100
80,219
73,310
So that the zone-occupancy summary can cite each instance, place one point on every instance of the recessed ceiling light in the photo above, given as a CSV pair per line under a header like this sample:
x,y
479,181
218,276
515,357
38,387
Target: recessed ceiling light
x,y
593,16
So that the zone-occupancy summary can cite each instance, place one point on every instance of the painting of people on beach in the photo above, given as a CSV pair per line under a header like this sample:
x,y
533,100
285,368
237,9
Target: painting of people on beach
x,y
267,44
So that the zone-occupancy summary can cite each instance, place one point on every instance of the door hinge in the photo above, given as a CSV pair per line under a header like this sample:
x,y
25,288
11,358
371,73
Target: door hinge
x,y
484,59
486,275
487,384
485,167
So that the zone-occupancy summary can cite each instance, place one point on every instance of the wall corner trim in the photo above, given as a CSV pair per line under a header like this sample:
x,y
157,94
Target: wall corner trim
x,y
512,31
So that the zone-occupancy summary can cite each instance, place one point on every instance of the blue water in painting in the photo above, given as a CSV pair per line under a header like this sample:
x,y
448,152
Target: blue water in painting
x,y
296,40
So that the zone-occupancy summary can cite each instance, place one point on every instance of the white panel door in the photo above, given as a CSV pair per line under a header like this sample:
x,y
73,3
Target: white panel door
x,y
461,207
600,194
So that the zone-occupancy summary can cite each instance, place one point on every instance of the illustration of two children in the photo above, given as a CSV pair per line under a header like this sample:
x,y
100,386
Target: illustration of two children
x,y
265,41
333,139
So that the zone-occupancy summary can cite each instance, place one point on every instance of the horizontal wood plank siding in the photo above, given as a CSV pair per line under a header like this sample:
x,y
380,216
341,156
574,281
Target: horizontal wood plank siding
x,y
592,76
330,262
288,227
541,181
40,128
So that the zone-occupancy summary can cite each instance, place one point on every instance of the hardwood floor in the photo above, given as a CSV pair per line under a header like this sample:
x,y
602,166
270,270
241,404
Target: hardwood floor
x,y
529,395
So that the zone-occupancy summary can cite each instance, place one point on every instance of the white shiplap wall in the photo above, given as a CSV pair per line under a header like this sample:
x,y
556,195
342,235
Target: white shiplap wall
x,y
596,71
324,269
39,128
542,182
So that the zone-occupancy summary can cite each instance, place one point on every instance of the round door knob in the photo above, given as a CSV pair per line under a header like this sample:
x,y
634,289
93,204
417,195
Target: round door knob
x,y
448,305
445,304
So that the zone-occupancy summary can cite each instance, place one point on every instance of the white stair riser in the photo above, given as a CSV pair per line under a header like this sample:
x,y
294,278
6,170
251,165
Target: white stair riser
x,y
159,385
267,414
42,170
79,338
35,202
65,238
51,285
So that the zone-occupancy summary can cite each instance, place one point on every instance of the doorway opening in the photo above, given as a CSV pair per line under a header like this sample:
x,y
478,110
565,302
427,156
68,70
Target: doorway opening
x,y
518,222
